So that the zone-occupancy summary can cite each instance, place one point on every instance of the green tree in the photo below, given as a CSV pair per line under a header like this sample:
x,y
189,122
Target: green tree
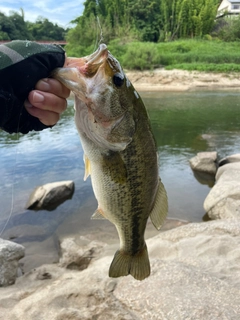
x,y
43,29
13,27
145,19
230,31
187,18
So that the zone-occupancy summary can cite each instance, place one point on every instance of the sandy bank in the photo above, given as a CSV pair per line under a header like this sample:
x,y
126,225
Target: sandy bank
x,y
181,80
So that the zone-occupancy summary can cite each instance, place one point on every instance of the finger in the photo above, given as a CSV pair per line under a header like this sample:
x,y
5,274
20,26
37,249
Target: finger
x,y
48,118
47,101
53,86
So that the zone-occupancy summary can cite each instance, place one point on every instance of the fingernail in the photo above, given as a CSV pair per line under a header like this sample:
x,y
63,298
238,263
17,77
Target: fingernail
x,y
37,97
44,85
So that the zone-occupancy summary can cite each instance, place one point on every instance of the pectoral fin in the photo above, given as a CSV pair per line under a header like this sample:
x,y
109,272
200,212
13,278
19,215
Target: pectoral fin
x,y
98,215
160,209
87,167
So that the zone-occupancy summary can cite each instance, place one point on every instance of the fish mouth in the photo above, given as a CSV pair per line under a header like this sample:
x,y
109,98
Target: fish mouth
x,y
90,64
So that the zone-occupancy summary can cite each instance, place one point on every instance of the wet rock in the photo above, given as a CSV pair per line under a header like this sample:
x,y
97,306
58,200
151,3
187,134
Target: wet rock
x,y
49,196
204,178
223,201
230,159
204,162
10,253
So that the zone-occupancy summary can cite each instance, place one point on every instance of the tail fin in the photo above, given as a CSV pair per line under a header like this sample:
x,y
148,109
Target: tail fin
x,y
123,264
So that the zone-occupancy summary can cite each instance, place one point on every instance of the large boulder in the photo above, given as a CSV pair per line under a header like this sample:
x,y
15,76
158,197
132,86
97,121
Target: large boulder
x,y
49,196
10,254
223,201
204,162
230,159
195,275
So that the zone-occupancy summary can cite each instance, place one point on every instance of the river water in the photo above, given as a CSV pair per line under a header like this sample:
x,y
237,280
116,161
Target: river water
x,y
183,123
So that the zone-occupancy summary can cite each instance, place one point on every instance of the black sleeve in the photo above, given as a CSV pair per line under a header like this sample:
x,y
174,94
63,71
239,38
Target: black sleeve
x,y
22,65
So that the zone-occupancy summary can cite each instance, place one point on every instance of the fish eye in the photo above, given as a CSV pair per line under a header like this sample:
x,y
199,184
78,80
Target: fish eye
x,y
118,79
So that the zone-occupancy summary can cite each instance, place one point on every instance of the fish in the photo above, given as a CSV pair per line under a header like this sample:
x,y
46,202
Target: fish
x,y
120,154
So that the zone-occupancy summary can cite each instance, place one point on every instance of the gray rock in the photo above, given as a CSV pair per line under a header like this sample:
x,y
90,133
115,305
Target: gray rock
x,y
10,253
230,159
77,253
232,168
49,196
195,275
223,201
204,162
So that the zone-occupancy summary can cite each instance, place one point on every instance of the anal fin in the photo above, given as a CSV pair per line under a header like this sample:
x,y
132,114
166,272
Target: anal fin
x,y
160,209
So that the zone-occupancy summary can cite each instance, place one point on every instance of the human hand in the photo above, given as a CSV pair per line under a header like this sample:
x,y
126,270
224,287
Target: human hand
x,y
47,101
23,67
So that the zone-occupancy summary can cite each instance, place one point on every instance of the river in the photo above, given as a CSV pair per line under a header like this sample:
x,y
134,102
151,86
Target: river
x,y
183,123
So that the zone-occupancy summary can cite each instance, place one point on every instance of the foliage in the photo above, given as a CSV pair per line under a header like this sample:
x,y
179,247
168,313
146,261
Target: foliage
x,y
230,30
140,55
43,29
189,54
14,27
141,20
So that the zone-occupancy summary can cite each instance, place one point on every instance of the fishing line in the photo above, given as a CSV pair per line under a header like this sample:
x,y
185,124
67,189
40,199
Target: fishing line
x,y
101,31
99,27
13,178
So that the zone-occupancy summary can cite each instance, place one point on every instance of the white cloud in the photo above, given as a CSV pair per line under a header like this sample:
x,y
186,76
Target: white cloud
x,y
60,12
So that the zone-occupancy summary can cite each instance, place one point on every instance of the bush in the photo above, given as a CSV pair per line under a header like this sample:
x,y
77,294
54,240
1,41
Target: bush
x,y
140,56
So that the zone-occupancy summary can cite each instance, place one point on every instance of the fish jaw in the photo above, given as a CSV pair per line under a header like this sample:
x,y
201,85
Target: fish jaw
x,y
76,72
71,78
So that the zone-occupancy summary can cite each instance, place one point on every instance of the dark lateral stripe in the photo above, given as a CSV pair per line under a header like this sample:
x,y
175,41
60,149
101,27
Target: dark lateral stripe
x,y
12,54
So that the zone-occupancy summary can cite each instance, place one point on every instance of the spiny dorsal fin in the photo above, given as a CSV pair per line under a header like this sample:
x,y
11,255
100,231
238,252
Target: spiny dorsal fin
x,y
87,167
97,215
160,209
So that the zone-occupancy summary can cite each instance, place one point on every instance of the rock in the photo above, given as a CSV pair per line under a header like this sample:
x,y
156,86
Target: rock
x,y
195,275
10,253
77,254
49,196
230,159
232,168
204,178
223,201
204,162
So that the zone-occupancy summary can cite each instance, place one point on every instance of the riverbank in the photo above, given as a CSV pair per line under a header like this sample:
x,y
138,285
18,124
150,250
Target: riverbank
x,y
182,80
194,275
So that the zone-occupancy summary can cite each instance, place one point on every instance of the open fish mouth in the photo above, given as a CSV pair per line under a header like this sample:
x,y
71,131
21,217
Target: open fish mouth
x,y
90,64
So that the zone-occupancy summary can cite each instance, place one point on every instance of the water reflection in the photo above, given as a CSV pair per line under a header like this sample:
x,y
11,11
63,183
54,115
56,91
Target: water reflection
x,y
183,124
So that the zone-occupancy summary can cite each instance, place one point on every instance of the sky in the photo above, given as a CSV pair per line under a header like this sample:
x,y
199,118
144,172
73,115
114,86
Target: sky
x,y
56,11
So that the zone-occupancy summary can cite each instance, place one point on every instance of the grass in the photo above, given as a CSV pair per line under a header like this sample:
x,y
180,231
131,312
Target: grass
x,y
211,67
201,55
192,54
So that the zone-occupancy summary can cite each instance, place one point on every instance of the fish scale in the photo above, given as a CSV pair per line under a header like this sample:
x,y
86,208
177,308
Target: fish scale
x,y
119,153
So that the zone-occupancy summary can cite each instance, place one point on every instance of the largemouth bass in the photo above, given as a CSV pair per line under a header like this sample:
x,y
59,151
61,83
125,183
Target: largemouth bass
x,y
119,154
